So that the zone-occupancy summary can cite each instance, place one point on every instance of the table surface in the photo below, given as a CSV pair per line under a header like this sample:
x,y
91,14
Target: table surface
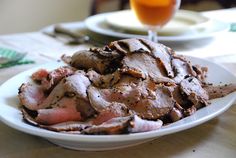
x,y
216,138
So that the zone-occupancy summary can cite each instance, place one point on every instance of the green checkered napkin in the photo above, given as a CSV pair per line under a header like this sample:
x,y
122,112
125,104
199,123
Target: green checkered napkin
x,y
9,57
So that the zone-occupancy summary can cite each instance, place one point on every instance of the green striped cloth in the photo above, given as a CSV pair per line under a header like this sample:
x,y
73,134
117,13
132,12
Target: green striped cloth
x,y
9,57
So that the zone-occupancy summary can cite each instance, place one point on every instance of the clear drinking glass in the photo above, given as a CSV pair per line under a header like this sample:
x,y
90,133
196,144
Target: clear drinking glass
x,y
154,14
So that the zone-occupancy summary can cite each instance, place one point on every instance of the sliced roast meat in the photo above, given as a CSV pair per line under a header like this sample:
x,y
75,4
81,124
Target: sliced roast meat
x,y
123,92
96,100
70,90
182,69
201,72
74,87
176,114
92,60
192,88
29,116
105,52
142,65
190,111
58,115
112,111
179,97
157,51
116,125
103,81
140,125
126,81
121,125
78,84
70,126
162,54
66,59
57,75
55,96
126,86
66,111
48,79
39,75
58,127
31,96
219,91
147,103
87,59
156,105
128,46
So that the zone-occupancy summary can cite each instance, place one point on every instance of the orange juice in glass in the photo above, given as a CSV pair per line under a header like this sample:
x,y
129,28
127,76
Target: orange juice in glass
x,y
154,13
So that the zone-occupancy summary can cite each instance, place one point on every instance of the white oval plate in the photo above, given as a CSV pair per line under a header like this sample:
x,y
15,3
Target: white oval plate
x,y
98,24
182,21
11,115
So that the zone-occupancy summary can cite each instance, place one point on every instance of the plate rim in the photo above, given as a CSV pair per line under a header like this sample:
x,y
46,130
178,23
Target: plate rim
x,y
199,20
92,23
107,138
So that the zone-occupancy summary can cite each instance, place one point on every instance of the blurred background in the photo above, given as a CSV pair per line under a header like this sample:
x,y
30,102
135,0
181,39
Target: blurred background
x,y
32,15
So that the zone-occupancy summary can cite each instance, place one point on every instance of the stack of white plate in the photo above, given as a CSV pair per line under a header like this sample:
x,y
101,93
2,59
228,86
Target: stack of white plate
x,y
185,25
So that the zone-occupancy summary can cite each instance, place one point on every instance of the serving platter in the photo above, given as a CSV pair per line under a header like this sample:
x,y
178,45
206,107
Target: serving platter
x,y
10,114
200,29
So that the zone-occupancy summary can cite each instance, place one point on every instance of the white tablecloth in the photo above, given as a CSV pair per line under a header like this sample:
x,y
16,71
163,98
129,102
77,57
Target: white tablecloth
x,y
216,138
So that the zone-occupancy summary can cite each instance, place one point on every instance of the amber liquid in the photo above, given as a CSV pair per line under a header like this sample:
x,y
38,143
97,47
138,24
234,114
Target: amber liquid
x,y
153,12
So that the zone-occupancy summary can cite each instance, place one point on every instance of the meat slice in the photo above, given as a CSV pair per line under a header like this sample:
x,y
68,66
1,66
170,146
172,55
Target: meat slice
x,y
77,85
91,59
87,59
66,111
157,51
58,115
75,88
156,105
54,96
121,125
103,81
139,125
58,127
39,75
182,68
114,126
105,52
48,79
180,98
142,65
201,72
31,96
219,91
162,53
128,46
125,91
70,92
97,102
112,111
176,114
192,88
147,102
70,126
